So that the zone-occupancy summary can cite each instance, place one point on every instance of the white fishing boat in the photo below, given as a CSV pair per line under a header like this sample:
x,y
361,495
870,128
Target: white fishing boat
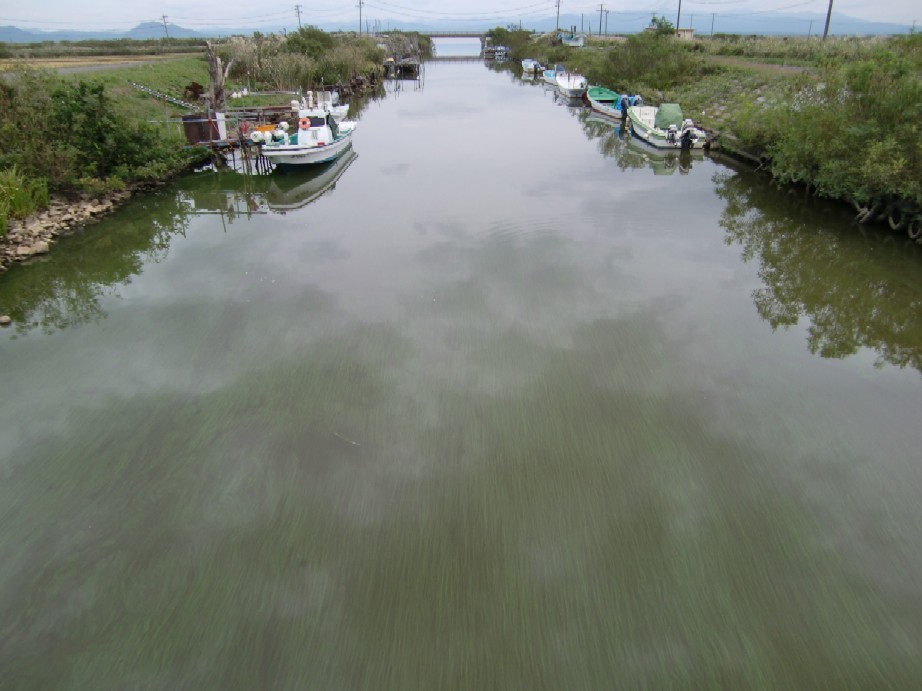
x,y
318,139
572,84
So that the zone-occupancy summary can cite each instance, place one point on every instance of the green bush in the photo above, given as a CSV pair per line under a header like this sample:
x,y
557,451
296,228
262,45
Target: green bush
x,y
853,131
309,41
72,133
652,61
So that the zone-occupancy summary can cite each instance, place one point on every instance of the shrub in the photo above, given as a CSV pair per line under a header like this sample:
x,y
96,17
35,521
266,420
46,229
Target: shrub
x,y
309,41
71,134
20,196
851,133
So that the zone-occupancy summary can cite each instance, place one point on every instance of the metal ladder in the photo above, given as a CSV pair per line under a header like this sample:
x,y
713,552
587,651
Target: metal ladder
x,y
162,96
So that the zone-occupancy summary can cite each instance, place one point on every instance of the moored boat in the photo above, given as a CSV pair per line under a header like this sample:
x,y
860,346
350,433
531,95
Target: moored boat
x,y
606,101
318,139
550,76
572,84
531,67
573,40
665,127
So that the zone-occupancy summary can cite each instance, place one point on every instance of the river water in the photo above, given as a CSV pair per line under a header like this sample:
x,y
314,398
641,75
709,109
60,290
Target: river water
x,y
499,402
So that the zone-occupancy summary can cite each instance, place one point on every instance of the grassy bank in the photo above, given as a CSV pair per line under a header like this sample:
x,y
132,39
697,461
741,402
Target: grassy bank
x,y
840,117
73,137
91,133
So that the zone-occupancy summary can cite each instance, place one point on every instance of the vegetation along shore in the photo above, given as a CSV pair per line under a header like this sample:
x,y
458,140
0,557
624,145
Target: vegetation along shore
x,y
840,118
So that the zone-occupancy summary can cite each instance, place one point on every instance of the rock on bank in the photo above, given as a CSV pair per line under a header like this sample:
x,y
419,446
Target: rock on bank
x,y
28,237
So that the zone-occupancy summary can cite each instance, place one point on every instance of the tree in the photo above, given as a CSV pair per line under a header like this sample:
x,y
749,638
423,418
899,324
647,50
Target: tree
x,y
218,74
662,26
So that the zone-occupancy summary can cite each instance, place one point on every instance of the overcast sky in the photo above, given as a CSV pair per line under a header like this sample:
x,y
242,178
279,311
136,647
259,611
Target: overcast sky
x,y
88,15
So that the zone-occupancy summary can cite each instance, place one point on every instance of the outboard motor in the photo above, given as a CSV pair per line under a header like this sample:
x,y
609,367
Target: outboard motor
x,y
688,139
672,133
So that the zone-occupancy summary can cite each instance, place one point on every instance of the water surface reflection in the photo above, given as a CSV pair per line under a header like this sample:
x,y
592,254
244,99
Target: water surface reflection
x,y
494,410
854,288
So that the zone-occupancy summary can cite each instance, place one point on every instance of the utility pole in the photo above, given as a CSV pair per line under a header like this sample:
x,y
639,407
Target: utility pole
x,y
165,30
913,29
691,24
582,23
810,30
678,17
298,11
828,17
360,16
601,9
712,23
606,22
558,16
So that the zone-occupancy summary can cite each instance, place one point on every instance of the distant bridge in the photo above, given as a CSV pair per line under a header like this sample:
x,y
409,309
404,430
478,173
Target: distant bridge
x,y
453,34
455,58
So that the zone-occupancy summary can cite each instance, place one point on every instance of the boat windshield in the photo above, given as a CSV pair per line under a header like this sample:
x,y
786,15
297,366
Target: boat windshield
x,y
318,122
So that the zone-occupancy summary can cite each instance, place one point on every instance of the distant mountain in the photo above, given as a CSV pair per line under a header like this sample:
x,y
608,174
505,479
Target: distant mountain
x,y
703,23
630,23
147,30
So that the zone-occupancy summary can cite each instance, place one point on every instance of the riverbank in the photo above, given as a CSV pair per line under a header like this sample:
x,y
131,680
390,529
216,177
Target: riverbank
x,y
33,236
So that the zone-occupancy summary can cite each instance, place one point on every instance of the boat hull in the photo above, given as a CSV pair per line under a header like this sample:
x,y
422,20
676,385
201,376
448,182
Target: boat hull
x,y
297,155
606,109
572,85
605,102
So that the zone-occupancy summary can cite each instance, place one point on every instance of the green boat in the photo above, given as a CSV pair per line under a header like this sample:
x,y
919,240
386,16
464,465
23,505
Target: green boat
x,y
606,101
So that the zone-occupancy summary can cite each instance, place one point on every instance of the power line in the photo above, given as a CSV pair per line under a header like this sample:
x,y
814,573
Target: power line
x,y
505,11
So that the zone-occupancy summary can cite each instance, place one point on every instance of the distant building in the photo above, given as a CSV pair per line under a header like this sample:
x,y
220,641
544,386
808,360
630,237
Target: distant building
x,y
684,34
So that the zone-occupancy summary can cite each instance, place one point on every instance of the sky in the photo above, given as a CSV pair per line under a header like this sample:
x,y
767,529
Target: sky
x,y
102,15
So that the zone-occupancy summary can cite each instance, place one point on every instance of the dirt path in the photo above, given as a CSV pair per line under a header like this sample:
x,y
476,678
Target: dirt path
x,y
90,63
766,67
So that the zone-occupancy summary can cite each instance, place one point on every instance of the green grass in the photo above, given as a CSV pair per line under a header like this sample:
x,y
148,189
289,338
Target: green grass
x,y
19,196
168,76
